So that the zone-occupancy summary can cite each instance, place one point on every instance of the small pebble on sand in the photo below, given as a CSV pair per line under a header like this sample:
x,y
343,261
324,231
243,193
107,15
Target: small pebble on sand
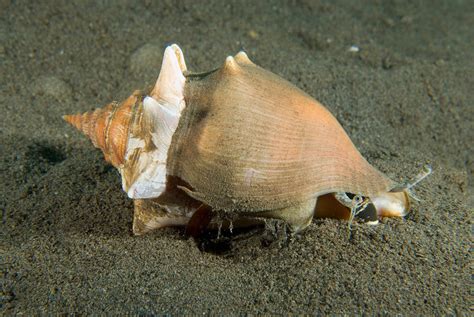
x,y
354,49
253,34
53,87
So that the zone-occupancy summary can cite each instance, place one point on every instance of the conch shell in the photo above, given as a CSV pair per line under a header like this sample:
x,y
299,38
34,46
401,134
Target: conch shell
x,y
238,141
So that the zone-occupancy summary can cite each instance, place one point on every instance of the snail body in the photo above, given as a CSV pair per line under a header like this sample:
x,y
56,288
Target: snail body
x,y
239,140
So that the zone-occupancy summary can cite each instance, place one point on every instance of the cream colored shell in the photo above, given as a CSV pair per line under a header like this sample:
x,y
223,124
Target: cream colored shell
x,y
249,140
238,139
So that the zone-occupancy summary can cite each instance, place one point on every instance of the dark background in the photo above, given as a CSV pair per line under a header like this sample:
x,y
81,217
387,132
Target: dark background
x,y
406,99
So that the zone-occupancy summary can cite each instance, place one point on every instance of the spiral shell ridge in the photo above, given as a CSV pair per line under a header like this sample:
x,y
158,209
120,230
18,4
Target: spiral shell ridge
x,y
108,127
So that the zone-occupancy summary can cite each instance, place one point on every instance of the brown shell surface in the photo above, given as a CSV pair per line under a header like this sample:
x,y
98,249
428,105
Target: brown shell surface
x,y
108,127
250,141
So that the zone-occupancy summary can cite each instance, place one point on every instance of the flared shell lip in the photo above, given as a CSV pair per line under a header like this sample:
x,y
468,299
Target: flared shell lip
x,y
162,110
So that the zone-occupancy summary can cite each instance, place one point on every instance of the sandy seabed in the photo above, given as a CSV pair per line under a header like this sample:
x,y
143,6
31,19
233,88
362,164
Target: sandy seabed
x,y
405,98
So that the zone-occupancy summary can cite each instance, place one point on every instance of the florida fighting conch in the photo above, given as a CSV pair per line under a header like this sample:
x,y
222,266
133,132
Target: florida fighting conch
x,y
239,145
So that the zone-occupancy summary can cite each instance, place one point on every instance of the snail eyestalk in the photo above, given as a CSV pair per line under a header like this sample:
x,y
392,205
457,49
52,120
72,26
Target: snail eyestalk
x,y
427,170
358,205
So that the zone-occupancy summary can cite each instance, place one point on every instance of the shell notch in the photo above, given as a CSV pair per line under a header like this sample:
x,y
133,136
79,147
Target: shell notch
x,y
239,141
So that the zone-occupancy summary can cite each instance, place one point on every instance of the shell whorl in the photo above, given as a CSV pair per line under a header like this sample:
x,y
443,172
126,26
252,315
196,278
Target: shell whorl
x,y
252,141
109,127
135,136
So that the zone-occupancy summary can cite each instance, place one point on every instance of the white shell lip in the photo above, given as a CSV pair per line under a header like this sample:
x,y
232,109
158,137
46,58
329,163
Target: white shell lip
x,y
163,107
393,204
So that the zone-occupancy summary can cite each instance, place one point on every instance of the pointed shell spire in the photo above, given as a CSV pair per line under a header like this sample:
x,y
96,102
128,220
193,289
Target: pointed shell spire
x,y
108,127
135,135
